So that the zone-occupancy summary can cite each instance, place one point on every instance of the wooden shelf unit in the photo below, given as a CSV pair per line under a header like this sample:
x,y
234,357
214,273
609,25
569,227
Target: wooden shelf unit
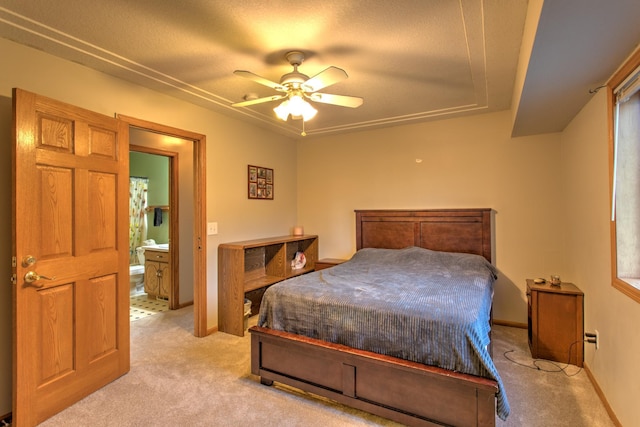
x,y
246,269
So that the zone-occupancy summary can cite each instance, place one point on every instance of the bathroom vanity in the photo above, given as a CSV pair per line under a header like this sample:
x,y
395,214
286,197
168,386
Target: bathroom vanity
x,y
157,280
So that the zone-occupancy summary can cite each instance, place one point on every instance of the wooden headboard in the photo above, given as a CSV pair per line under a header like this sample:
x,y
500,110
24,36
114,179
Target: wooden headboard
x,y
450,230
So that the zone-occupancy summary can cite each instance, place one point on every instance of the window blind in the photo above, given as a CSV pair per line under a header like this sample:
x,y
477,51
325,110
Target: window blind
x,y
628,87
623,92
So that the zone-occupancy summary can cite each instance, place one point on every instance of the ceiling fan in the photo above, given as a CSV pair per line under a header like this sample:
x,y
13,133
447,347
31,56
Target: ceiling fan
x,y
297,87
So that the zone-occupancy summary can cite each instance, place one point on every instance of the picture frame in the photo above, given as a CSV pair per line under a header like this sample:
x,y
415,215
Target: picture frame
x,y
260,182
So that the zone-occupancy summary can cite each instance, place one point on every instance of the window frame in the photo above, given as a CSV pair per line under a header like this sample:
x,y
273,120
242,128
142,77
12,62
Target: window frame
x,y
619,76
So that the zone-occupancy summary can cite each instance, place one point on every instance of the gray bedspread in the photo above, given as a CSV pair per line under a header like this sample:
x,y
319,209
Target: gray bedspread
x,y
414,304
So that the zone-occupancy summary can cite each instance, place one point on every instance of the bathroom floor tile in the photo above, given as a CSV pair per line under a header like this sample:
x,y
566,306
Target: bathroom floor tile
x,y
141,306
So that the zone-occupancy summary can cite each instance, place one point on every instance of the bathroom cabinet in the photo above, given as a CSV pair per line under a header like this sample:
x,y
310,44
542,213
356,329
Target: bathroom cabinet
x,y
157,274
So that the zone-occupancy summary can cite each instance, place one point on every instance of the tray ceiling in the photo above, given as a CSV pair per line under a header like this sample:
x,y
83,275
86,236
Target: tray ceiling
x,y
411,61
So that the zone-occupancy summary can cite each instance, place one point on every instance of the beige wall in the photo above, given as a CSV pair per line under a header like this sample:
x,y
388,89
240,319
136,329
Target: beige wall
x,y
466,162
585,208
231,146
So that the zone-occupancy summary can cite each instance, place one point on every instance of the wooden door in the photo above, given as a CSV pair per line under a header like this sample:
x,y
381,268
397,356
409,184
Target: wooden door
x,y
70,248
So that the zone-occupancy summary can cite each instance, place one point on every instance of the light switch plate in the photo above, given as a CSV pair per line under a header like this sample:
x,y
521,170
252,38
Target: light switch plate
x,y
212,228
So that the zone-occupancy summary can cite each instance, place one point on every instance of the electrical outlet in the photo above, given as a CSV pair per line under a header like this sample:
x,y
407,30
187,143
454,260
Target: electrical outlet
x,y
593,338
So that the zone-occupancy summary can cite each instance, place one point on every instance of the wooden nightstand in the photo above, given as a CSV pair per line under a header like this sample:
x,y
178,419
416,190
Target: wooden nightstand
x,y
323,263
555,318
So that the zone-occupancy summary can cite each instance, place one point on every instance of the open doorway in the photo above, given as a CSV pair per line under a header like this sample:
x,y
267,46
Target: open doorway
x,y
154,254
185,211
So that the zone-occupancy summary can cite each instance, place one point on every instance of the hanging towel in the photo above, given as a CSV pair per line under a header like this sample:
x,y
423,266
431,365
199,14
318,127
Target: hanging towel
x,y
157,217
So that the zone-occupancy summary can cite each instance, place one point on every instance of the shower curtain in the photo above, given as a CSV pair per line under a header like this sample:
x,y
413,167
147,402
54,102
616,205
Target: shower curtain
x,y
137,215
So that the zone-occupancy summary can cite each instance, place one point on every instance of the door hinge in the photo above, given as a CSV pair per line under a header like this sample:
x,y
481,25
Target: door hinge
x,y
14,264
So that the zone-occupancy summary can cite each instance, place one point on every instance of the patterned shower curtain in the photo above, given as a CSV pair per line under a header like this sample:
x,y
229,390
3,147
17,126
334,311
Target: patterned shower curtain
x,y
137,215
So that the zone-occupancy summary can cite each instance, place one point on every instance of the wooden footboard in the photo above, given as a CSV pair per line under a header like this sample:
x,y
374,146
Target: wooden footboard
x,y
407,392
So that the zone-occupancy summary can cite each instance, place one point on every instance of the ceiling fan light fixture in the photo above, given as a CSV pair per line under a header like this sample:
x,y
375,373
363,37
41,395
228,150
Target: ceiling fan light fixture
x,y
282,110
309,112
297,107
295,87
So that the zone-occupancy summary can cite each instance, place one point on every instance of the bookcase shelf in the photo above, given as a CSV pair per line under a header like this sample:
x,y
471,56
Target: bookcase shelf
x,y
247,268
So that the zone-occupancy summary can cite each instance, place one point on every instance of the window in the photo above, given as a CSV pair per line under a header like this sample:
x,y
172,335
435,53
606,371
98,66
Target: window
x,y
624,109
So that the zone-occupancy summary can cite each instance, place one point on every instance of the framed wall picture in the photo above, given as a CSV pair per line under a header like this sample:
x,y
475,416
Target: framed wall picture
x,y
260,182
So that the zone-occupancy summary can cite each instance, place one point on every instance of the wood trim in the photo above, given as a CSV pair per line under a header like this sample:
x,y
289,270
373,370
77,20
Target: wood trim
x,y
601,395
185,304
200,231
618,77
174,234
630,64
200,215
630,291
162,129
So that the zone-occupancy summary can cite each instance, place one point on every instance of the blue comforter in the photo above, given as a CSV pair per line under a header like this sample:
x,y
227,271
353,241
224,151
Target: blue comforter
x,y
414,304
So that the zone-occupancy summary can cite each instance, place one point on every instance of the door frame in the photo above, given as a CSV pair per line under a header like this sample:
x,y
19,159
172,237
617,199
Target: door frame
x,y
199,213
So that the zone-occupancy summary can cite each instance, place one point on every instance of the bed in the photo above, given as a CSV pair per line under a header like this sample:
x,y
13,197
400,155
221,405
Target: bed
x,y
355,362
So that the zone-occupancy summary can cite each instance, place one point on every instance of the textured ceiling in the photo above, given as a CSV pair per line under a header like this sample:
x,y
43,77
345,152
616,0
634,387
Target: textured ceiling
x,y
411,61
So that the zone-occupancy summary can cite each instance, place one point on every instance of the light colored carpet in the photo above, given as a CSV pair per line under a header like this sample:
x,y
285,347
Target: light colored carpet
x,y
544,397
179,380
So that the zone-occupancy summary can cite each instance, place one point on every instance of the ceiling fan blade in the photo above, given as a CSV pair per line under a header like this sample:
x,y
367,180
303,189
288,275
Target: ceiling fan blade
x,y
325,78
256,78
341,100
258,100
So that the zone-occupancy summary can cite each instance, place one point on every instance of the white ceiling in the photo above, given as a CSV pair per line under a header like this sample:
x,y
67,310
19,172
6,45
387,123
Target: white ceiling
x,y
411,60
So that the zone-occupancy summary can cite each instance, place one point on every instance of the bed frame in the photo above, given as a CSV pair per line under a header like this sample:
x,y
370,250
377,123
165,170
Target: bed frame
x,y
407,392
